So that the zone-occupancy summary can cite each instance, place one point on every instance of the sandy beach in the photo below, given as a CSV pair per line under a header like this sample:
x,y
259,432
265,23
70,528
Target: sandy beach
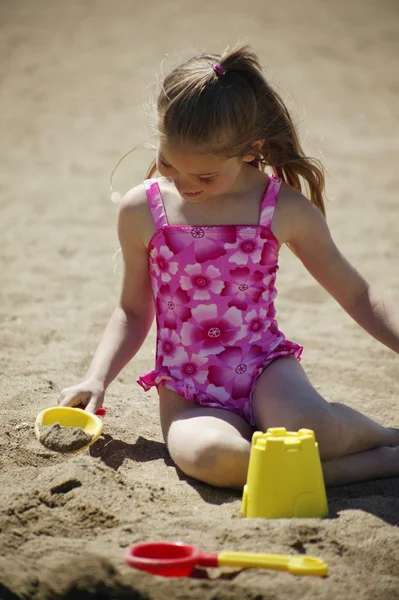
x,y
73,80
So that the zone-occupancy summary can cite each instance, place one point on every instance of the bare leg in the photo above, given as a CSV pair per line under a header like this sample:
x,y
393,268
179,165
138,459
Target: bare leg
x,y
362,466
209,444
353,448
284,397
213,445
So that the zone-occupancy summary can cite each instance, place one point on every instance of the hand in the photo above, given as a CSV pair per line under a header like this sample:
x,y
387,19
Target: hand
x,y
89,393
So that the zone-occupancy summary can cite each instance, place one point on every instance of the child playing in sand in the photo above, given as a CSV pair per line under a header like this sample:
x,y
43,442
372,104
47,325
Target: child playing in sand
x,y
200,249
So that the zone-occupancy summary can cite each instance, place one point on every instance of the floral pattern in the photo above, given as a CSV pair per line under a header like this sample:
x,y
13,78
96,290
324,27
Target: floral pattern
x,y
236,369
190,367
162,267
168,344
256,324
172,306
201,281
244,287
214,291
247,247
205,243
210,332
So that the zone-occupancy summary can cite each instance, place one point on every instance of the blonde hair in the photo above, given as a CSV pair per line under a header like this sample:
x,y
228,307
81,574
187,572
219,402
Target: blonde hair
x,y
225,114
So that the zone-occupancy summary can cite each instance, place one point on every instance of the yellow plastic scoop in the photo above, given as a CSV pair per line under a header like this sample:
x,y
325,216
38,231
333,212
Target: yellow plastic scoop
x,y
70,417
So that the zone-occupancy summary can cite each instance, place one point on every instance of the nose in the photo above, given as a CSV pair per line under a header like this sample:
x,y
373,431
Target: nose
x,y
185,185
181,182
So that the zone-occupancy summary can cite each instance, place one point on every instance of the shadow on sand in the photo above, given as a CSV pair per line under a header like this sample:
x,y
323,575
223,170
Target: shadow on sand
x,y
380,498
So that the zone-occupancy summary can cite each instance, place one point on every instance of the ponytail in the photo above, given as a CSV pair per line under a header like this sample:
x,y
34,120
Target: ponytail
x,y
282,150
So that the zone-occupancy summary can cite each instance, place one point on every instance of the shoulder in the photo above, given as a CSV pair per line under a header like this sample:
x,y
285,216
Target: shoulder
x,y
134,201
134,216
295,215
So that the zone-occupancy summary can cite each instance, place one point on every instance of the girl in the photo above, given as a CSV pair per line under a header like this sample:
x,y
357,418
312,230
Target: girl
x,y
200,248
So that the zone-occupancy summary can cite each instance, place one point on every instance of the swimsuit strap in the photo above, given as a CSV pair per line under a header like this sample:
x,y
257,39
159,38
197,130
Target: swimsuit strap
x,y
269,201
155,203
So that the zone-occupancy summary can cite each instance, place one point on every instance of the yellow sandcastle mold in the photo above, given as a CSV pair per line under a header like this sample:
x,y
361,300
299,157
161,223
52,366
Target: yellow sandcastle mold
x,y
285,478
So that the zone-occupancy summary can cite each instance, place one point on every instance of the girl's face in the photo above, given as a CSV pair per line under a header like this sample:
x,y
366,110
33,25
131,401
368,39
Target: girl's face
x,y
198,176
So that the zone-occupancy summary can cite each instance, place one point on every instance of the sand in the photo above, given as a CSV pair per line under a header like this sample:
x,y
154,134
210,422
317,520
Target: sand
x,y
63,439
73,78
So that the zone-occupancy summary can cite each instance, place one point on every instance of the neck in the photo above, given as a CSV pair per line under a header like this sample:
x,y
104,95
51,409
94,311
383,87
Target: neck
x,y
245,181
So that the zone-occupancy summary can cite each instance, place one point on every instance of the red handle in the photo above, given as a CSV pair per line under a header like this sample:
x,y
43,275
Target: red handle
x,y
100,412
207,559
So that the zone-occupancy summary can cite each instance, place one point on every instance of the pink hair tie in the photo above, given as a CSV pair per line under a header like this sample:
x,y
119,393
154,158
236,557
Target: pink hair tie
x,y
219,70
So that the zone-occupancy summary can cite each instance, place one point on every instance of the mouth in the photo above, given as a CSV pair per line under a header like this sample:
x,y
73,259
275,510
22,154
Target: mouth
x,y
191,194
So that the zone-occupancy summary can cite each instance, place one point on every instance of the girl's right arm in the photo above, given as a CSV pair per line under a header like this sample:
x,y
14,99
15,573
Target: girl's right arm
x,y
131,320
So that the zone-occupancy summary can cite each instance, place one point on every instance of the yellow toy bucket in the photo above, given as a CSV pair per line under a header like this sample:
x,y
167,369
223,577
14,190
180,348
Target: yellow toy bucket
x,y
70,417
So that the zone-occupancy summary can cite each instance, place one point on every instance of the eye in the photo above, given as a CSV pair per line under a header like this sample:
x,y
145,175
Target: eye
x,y
206,179
164,164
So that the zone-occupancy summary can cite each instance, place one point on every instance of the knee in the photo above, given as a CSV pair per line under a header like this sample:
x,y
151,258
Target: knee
x,y
211,458
207,451
197,457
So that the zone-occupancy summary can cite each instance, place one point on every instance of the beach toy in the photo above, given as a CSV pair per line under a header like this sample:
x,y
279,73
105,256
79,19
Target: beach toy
x,y
100,412
71,417
178,560
285,478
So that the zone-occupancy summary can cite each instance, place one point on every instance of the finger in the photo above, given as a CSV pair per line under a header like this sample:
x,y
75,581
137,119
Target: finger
x,y
73,399
94,404
61,396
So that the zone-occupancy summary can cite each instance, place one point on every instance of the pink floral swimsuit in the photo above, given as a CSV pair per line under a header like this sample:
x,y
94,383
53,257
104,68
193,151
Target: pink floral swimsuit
x,y
214,288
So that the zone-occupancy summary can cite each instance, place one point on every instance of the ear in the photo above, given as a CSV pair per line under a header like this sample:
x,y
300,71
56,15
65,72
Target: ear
x,y
257,146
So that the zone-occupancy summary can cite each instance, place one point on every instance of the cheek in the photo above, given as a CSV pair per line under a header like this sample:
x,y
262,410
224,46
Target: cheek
x,y
213,188
222,183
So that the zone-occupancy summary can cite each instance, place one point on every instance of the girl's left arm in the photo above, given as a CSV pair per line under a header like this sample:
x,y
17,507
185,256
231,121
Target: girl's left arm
x,y
307,232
